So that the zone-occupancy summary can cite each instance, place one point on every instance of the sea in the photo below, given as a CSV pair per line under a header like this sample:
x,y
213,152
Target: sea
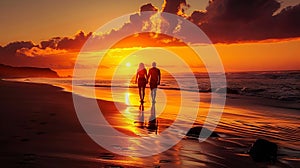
x,y
279,85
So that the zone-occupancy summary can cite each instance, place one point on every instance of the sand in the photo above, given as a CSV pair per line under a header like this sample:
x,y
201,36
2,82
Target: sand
x,y
39,128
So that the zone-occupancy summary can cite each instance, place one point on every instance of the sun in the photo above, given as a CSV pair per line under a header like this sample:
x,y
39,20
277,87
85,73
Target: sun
x,y
128,64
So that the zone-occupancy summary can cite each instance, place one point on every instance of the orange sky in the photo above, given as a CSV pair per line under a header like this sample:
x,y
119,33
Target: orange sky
x,y
41,20
261,56
256,56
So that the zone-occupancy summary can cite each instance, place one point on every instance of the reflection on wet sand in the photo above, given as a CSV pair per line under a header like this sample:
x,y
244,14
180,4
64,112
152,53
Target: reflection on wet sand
x,y
153,122
141,117
152,125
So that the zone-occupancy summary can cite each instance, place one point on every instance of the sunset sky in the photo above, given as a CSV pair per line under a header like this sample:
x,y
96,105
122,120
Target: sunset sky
x,y
249,36
41,20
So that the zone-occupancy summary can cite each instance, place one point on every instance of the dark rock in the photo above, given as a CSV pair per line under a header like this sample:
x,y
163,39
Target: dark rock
x,y
195,132
263,151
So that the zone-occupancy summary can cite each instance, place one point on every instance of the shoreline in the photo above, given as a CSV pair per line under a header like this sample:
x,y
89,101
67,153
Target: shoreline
x,y
44,131
234,100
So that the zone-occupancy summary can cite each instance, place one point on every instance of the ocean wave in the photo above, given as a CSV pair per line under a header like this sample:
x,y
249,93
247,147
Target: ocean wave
x,y
280,85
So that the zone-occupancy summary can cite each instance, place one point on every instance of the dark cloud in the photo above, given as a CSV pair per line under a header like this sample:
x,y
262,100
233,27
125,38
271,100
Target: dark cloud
x,y
148,39
224,21
287,22
148,7
198,17
11,48
241,11
25,53
138,22
8,52
174,6
231,21
52,43
67,43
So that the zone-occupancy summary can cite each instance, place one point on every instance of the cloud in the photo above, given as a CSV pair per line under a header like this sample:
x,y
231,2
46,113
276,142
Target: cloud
x,y
55,61
229,21
40,52
147,40
174,6
52,43
67,43
223,21
148,7
11,48
198,17
288,24
57,52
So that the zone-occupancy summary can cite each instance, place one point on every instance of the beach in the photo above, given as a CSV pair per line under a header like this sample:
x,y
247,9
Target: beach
x,y
40,128
150,84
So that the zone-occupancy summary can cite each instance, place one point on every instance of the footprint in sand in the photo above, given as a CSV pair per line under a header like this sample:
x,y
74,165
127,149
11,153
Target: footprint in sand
x,y
43,123
107,156
28,128
165,161
52,114
28,159
40,133
24,140
16,136
112,166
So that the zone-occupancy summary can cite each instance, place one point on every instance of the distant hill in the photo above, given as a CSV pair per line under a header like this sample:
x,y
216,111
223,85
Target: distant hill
x,y
7,71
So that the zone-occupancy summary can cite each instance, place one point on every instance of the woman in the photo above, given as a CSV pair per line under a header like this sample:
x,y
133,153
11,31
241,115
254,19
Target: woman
x,y
141,79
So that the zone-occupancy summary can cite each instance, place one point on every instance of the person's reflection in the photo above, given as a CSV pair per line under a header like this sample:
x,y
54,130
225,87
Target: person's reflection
x,y
153,123
141,117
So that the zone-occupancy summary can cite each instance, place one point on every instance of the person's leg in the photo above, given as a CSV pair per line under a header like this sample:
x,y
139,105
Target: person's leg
x,y
152,87
140,92
143,93
154,94
151,93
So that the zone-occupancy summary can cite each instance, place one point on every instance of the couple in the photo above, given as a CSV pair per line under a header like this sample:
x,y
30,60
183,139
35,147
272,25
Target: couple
x,y
142,79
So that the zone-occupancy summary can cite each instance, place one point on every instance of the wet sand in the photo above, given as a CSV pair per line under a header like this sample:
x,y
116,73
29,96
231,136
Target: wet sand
x,y
39,128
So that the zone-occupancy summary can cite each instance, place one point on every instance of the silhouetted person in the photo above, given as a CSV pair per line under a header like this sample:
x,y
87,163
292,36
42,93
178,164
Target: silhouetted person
x,y
154,76
141,79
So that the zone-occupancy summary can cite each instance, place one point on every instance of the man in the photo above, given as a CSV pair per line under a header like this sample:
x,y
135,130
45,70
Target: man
x,y
154,76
